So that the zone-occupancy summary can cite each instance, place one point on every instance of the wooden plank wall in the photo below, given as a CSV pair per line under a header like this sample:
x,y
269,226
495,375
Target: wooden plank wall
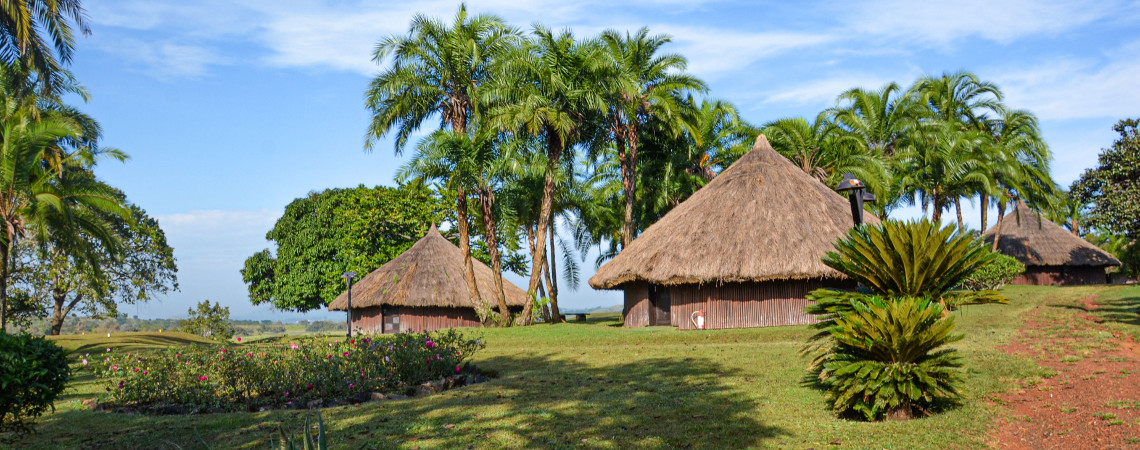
x,y
636,310
430,318
1061,276
743,305
368,320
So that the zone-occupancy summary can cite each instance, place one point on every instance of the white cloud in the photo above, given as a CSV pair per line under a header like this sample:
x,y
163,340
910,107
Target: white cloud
x,y
1074,88
215,237
940,22
163,59
716,52
824,91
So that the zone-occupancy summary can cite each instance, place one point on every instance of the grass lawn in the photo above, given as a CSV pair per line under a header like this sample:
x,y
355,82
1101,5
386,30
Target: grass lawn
x,y
596,384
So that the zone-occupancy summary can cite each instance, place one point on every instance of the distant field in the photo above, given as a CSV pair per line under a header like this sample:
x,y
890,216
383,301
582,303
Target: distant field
x,y
596,384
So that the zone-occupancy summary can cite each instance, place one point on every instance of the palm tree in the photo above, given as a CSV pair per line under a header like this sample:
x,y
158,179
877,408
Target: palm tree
x,y
718,138
21,24
549,89
960,98
1016,139
645,86
437,69
944,164
825,151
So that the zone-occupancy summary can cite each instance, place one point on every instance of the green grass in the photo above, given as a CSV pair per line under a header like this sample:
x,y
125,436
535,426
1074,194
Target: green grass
x,y
595,384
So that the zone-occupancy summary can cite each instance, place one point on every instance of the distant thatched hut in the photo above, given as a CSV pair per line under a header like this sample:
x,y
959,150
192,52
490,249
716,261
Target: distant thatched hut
x,y
1052,255
745,249
423,289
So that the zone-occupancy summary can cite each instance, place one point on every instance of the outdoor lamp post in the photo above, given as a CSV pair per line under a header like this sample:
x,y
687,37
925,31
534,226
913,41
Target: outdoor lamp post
x,y
348,276
857,194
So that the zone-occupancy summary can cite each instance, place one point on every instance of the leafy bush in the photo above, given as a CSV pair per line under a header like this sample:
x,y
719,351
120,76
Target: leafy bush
x,y
908,258
993,275
886,360
209,321
33,372
232,377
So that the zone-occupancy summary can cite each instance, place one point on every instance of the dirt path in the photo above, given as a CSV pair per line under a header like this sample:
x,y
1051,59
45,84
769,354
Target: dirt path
x,y
1092,399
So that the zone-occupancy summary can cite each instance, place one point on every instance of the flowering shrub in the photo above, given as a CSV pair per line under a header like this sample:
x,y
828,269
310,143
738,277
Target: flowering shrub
x,y
249,376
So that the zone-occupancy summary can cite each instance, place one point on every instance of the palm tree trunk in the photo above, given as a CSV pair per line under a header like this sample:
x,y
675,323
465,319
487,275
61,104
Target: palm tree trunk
x,y
958,210
487,201
628,183
1075,228
4,250
465,247
553,273
1001,219
984,201
554,155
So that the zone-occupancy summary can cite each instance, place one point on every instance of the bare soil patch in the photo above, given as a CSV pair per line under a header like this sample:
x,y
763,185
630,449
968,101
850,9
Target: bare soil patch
x,y
1092,399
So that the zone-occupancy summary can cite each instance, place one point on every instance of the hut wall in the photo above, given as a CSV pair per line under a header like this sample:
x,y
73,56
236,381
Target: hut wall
x,y
636,310
1061,276
368,320
743,305
431,318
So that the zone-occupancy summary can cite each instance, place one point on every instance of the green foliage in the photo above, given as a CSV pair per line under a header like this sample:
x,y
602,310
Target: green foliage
x,y
209,321
330,232
238,377
1001,269
33,372
308,441
887,361
914,258
1112,187
1122,248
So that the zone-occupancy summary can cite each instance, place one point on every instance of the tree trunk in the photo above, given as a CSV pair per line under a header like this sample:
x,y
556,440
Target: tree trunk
x,y
5,249
465,247
1001,219
1076,229
936,214
984,201
958,211
487,201
59,311
554,155
629,183
553,273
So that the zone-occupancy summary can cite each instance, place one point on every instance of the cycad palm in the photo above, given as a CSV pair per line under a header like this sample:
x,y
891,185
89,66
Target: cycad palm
x,y
644,86
437,69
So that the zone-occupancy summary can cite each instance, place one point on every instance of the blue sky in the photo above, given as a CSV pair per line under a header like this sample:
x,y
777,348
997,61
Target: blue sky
x,y
231,109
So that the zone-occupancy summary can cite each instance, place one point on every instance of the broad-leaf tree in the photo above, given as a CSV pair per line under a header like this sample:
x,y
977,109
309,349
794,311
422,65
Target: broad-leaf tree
x,y
1112,188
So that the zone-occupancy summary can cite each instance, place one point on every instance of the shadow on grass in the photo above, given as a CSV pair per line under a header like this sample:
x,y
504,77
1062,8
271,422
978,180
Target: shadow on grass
x,y
1124,310
548,402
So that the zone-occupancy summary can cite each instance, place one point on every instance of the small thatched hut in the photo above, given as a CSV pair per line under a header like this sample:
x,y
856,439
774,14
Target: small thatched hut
x,y
745,249
1052,255
423,289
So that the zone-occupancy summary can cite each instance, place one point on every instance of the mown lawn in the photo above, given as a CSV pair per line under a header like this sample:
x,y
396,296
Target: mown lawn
x,y
596,384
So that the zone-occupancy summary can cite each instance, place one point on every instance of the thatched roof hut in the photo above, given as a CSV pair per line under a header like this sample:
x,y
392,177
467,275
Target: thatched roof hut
x,y
761,219
746,248
427,279
1051,254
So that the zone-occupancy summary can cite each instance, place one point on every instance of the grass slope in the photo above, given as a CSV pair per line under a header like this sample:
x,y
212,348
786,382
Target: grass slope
x,y
595,384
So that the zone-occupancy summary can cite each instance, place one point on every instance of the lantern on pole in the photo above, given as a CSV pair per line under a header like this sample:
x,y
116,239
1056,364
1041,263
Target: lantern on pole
x,y
857,194
348,276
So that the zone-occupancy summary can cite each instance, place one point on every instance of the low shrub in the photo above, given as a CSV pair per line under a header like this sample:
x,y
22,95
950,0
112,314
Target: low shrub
x,y
993,275
33,372
235,376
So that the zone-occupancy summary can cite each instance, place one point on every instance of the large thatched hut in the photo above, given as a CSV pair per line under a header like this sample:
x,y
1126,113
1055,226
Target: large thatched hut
x,y
745,249
423,289
1051,254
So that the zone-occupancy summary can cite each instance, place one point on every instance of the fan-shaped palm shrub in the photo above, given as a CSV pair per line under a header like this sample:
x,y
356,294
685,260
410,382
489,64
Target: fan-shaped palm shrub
x,y
887,359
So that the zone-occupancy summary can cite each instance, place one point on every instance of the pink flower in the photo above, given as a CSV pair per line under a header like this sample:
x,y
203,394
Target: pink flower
x,y
239,339
457,368
177,355
351,385
85,361
114,367
202,378
108,349
330,356
286,394
345,354
310,387
120,385
136,370
144,372
249,354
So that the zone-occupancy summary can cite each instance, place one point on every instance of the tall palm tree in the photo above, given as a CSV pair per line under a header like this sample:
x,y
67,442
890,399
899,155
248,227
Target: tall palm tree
x,y
960,98
944,163
645,86
437,69
22,23
1016,139
718,138
550,88
825,151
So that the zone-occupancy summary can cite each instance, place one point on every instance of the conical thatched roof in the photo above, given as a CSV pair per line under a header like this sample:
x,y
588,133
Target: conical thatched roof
x,y
761,219
1035,241
430,273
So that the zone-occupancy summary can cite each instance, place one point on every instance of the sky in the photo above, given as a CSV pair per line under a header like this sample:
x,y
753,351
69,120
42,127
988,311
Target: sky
x,y
230,109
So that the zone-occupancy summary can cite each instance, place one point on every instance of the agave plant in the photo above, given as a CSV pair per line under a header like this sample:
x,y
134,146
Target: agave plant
x,y
887,359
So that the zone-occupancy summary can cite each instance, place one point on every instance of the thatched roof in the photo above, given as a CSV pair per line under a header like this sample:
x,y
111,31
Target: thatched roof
x,y
1035,241
761,219
430,273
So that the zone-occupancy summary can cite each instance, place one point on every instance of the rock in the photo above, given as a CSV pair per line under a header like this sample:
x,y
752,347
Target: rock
x,y
90,404
377,396
396,397
315,403
332,404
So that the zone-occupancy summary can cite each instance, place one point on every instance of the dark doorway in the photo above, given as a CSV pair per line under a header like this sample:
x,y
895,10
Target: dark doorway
x,y
659,303
391,320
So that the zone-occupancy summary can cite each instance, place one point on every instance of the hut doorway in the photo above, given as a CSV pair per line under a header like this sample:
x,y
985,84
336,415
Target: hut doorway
x,y
660,304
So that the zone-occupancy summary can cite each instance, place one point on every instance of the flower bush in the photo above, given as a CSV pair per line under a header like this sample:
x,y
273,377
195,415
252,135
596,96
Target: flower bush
x,y
230,377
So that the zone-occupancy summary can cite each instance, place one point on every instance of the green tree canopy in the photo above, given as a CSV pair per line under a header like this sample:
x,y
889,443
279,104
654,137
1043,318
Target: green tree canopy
x,y
1112,188
327,233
